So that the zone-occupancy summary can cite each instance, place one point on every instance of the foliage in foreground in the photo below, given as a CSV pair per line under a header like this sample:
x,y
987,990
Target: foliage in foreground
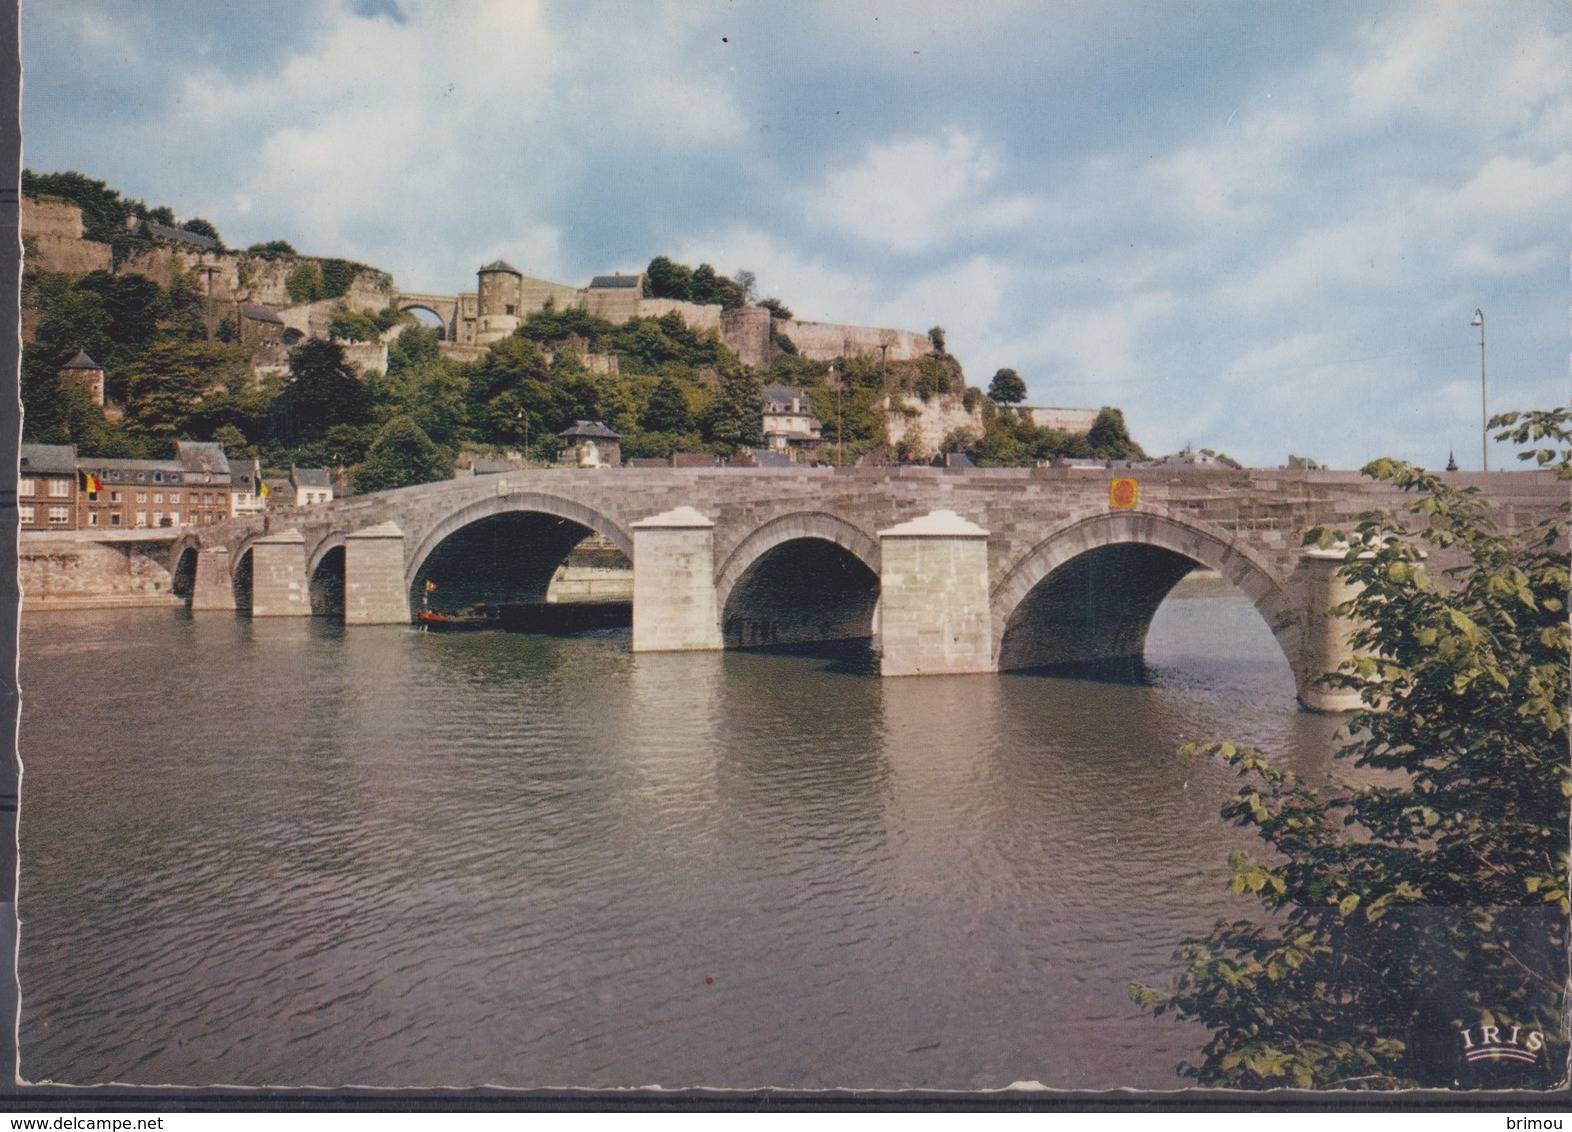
x,y
1431,897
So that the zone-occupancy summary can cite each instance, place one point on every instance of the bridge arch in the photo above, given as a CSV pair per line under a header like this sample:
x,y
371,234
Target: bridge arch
x,y
802,577
784,528
1159,548
516,517
183,568
178,550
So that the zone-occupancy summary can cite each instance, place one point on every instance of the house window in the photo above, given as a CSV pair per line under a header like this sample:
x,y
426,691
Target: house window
x,y
114,497
174,518
158,518
59,488
92,518
58,516
141,518
26,512
27,486
158,496
174,497
114,518
141,497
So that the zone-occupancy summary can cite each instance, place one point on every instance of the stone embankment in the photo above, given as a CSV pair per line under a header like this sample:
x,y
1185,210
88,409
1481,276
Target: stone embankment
x,y
89,570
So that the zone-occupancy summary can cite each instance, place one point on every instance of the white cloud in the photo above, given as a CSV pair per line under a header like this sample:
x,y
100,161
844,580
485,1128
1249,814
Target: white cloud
x,y
920,193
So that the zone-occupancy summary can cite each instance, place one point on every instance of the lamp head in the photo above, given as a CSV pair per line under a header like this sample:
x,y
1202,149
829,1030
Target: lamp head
x,y
1479,318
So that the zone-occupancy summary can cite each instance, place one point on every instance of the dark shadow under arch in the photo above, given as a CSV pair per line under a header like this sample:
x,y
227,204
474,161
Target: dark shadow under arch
x,y
327,583
1087,592
182,579
503,559
802,591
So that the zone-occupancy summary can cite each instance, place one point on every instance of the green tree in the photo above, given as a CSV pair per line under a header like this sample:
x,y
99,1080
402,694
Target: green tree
x,y
323,391
204,228
736,419
272,249
414,345
1433,899
304,284
236,446
401,455
355,326
667,280
434,394
1110,439
936,339
167,384
777,309
667,410
1007,387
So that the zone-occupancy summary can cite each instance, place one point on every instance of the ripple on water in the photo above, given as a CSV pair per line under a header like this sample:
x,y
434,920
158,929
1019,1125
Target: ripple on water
x,y
275,852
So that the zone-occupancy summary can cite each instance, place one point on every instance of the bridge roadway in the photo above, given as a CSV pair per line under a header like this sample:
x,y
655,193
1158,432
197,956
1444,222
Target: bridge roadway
x,y
953,570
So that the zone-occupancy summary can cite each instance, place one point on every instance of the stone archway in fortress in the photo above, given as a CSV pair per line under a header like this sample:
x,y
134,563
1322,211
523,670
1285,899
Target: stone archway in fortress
x,y
1088,590
502,548
444,308
799,578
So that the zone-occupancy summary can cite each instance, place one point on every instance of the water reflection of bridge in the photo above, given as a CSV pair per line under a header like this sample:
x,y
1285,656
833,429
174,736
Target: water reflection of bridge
x,y
951,571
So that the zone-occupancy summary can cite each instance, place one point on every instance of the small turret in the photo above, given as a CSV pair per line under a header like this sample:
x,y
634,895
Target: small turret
x,y
499,306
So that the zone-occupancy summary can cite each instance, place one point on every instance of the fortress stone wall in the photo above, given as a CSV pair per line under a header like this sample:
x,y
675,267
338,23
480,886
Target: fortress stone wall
x,y
52,239
826,341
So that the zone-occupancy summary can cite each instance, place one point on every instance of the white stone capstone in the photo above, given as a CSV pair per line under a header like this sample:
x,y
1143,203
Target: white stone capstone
x,y
935,524
678,518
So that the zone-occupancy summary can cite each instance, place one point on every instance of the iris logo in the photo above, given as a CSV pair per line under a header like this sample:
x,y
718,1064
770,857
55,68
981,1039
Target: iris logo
x,y
1492,1047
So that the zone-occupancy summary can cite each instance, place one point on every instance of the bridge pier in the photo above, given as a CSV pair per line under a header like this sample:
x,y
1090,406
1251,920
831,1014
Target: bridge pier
x,y
934,614
374,592
212,589
278,576
1326,639
674,602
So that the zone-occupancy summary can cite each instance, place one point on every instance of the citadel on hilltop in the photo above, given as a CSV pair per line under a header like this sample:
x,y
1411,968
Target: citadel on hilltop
x,y
268,299
264,293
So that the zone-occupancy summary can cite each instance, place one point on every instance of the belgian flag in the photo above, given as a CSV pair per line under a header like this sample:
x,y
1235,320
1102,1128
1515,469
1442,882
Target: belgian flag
x,y
91,483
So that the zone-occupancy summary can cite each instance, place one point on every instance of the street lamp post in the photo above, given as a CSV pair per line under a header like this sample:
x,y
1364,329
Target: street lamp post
x,y
1484,426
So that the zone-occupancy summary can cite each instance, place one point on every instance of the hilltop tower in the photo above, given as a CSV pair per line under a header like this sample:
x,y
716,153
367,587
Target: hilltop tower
x,y
499,309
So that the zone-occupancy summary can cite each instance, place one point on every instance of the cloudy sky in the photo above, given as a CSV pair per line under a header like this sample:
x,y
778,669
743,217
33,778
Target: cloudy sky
x,y
1261,228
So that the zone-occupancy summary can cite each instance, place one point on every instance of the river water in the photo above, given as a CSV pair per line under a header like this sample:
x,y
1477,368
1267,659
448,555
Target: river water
x,y
280,852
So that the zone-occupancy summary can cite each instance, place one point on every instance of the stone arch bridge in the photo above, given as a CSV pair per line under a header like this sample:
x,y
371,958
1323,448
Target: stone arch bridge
x,y
954,570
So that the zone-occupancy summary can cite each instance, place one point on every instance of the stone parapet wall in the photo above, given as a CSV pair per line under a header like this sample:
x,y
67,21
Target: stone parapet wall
x,y
42,216
697,316
1060,420
65,254
533,294
826,341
